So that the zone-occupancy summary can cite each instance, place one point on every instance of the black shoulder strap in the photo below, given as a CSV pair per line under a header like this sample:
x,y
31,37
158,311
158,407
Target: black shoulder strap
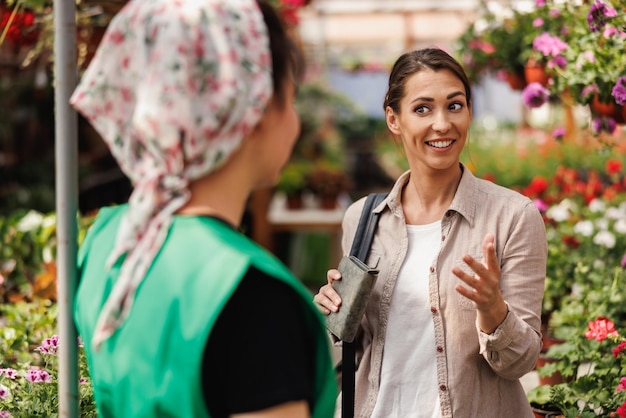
x,y
360,248
367,226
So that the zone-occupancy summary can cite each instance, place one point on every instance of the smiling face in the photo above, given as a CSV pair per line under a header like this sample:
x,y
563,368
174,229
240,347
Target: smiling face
x,y
433,120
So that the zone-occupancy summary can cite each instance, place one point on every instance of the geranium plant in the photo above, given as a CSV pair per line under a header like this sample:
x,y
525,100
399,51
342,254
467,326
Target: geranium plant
x,y
29,364
594,364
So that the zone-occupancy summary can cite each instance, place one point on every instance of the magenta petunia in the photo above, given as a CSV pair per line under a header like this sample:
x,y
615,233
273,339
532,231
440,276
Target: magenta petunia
x,y
535,95
603,124
619,91
599,15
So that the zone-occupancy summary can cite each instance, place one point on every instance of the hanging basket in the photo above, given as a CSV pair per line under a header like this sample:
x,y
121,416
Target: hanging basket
x,y
609,110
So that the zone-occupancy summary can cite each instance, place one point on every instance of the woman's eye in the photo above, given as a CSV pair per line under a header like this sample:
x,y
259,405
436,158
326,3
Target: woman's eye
x,y
421,109
456,106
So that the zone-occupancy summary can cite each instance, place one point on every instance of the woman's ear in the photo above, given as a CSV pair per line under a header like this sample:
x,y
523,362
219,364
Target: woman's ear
x,y
392,121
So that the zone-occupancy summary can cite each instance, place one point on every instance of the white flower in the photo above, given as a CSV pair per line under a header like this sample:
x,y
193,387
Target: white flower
x,y
597,205
31,221
615,213
602,223
620,226
605,238
584,228
559,213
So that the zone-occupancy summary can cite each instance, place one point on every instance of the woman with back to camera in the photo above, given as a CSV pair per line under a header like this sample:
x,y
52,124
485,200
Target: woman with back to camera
x,y
195,98
453,321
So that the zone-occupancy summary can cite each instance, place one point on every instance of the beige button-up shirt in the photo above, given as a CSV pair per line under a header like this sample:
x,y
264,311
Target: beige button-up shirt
x,y
477,374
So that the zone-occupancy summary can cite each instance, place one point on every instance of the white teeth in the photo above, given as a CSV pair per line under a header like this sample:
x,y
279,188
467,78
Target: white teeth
x,y
440,144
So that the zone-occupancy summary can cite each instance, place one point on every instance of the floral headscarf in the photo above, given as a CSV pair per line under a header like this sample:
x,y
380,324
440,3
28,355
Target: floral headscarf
x,y
173,88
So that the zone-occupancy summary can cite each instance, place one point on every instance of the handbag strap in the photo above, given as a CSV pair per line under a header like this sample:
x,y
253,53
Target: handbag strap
x,y
367,226
360,248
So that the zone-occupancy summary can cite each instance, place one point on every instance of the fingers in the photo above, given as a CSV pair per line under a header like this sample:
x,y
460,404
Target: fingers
x,y
484,283
327,299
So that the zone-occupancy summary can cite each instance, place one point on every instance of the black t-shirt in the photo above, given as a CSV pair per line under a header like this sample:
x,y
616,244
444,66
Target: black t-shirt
x,y
260,352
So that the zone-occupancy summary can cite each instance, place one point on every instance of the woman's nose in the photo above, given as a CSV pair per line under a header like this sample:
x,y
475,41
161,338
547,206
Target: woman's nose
x,y
441,123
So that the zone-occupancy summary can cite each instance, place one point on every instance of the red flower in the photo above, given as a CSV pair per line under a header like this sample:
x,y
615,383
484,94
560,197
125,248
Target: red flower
x,y
537,186
600,329
613,166
620,347
570,241
621,411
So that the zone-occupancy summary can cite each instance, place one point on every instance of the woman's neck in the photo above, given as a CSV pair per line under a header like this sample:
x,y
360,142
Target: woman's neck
x,y
426,198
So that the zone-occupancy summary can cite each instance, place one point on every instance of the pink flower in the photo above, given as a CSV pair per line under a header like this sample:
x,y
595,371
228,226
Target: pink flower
x,y
5,414
621,411
38,376
10,373
601,329
549,45
538,22
622,384
49,345
5,392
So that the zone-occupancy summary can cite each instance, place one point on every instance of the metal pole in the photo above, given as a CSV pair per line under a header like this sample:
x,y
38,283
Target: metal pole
x,y
66,172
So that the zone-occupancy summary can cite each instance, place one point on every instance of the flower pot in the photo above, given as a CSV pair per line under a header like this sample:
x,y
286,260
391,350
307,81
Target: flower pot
x,y
536,73
609,110
516,81
553,379
328,202
541,413
295,201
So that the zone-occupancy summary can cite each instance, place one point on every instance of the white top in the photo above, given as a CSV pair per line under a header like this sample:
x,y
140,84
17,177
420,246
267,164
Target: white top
x,y
408,387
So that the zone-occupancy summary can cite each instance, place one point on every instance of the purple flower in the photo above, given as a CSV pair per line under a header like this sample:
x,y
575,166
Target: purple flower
x,y
598,16
623,264
603,124
619,91
49,345
535,95
549,45
5,392
10,373
38,376
558,133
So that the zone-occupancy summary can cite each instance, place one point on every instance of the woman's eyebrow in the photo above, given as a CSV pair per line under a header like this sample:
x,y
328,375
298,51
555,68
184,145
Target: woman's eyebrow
x,y
430,99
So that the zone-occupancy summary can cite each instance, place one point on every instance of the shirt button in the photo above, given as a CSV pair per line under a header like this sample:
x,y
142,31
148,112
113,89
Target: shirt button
x,y
443,388
440,349
433,309
432,269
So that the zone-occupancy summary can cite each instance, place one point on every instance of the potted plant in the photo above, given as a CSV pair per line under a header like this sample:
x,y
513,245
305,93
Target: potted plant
x,y
327,183
293,182
595,358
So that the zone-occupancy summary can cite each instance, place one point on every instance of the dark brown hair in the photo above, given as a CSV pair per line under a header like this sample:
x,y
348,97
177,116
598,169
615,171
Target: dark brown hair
x,y
415,61
287,59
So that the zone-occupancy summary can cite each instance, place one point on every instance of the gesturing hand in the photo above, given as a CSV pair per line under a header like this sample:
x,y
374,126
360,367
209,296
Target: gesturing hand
x,y
484,288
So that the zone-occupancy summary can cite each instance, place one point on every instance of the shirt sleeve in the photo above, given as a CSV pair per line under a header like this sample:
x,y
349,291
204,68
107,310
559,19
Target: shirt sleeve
x,y
260,352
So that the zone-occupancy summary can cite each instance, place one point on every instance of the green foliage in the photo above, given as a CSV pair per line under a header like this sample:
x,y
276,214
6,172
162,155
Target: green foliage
x,y
27,244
